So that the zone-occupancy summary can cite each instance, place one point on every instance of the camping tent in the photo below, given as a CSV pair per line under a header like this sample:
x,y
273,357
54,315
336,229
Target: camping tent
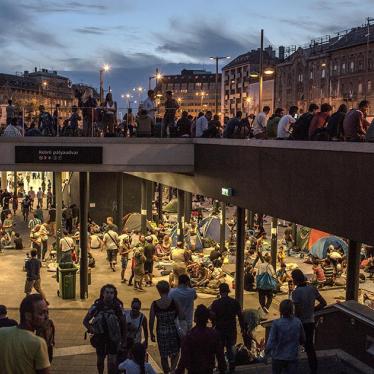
x,y
171,206
188,239
132,222
320,247
210,227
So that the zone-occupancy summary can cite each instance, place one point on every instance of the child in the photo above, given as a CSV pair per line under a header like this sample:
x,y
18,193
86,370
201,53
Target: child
x,y
286,335
18,241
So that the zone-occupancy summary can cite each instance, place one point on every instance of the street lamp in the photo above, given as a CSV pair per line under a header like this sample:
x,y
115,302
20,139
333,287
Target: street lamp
x,y
202,94
248,101
157,76
216,59
103,69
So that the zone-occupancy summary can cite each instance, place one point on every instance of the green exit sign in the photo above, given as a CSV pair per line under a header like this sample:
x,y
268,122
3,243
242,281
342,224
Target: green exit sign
x,y
226,191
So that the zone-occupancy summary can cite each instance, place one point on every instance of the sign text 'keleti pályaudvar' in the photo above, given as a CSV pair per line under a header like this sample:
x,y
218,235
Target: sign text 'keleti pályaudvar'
x,y
58,155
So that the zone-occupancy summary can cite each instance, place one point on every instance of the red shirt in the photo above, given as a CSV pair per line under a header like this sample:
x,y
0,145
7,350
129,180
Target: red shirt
x,y
318,121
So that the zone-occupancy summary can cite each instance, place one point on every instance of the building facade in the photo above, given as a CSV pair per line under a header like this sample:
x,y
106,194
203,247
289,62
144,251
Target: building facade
x,y
239,88
195,91
40,87
334,70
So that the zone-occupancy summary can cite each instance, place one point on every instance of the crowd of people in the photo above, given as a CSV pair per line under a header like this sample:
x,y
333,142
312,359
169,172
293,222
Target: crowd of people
x,y
90,118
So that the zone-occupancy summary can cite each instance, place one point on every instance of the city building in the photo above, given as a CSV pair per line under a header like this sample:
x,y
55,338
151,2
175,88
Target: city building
x,y
240,90
335,69
40,87
194,90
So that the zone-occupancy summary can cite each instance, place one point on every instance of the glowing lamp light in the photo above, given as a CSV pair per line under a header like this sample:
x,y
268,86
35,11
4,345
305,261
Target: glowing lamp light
x,y
269,71
253,74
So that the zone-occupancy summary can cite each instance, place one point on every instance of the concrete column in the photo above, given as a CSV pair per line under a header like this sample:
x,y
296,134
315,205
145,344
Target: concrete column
x,y
119,200
15,184
149,187
294,234
180,232
239,266
274,242
170,193
187,206
54,188
222,234
4,181
353,270
83,239
143,207
159,204
57,181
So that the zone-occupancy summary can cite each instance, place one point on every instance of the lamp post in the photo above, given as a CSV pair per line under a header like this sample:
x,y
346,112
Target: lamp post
x,y
157,77
202,94
216,59
268,72
103,69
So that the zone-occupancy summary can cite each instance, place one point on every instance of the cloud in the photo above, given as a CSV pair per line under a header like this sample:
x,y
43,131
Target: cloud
x,y
17,26
44,6
201,40
91,30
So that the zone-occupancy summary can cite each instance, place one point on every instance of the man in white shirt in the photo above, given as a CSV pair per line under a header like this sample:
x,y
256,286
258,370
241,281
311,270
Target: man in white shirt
x,y
149,104
259,124
283,130
202,124
67,245
111,243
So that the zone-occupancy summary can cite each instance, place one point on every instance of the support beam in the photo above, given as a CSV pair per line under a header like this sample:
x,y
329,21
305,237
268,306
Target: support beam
x,y
15,181
353,270
119,200
180,195
83,238
187,206
159,203
240,242
143,207
149,186
294,234
57,182
222,233
170,193
4,181
274,242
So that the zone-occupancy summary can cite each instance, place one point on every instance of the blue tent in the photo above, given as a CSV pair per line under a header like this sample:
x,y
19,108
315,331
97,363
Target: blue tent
x,y
187,239
320,247
210,227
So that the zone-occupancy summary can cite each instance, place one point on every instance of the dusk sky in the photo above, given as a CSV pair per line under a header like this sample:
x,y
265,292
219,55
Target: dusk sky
x,y
76,37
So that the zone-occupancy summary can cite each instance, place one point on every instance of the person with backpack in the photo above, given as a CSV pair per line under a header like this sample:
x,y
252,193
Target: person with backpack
x,y
106,323
233,124
266,283
300,129
317,128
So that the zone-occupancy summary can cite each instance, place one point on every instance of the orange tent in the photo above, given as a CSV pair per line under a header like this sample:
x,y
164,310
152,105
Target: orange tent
x,y
315,235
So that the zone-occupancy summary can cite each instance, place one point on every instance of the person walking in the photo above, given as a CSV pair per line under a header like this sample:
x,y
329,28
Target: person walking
x,y
304,297
286,336
32,267
110,113
136,323
22,352
39,196
224,311
149,253
124,251
110,243
165,310
185,296
171,107
201,347
26,204
36,240
106,322
149,105
266,283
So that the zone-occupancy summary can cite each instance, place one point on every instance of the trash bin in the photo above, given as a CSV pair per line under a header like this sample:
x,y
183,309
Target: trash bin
x,y
67,275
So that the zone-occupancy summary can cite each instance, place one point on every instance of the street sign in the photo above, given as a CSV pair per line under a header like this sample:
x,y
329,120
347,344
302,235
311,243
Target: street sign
x,y
58,155
226,191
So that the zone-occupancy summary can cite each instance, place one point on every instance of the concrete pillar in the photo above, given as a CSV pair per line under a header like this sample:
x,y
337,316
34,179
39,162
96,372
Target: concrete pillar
x,y
119,200
4,181
222,234
57,179
143,207
239,266
180,232
187,206
159,203
149,187
274,242
294,234
83,232
170,193
15,184
353,270
250,219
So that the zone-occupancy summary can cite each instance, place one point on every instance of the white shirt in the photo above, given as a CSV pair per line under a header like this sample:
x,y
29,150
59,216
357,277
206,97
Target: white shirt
x,y
110,240
66,244
201,126
259,124
11,131
149,106
132,368
284,126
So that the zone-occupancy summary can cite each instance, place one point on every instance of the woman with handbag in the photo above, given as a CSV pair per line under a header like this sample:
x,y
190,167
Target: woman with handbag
x,y
266,283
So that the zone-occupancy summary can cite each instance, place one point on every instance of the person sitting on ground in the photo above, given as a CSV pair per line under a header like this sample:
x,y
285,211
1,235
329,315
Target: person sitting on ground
x,y
286,336
136,364
4,320
319,274
18,241
328,269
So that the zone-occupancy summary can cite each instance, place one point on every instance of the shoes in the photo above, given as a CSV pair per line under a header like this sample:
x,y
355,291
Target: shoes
x,y
123,281
266,310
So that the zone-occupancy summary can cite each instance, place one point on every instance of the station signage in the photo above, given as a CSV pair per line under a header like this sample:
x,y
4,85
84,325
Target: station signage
x,y
226,191
58,155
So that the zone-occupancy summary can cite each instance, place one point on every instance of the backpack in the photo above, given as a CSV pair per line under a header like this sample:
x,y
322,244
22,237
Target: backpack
x,y
105,322
300,129
240,131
